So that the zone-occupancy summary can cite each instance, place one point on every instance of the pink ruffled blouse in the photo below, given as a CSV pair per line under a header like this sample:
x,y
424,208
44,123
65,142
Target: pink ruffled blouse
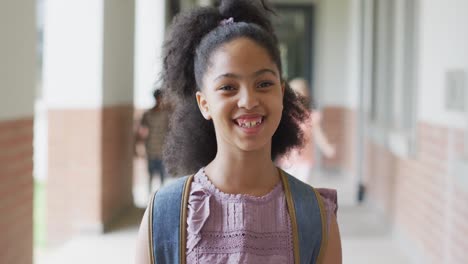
x,y
240,228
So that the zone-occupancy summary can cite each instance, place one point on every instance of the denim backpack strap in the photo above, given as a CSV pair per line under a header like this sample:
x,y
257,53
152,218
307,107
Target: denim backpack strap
x,y
309,220
323,213
167,211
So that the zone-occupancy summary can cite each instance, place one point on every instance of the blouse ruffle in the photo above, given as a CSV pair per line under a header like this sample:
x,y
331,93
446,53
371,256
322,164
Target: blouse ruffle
x,y
198,213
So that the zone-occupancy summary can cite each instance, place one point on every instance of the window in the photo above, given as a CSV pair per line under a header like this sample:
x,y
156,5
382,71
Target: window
x,y
392,77
382,63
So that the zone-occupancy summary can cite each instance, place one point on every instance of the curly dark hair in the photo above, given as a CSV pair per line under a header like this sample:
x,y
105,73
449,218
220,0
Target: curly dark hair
x,y
194,36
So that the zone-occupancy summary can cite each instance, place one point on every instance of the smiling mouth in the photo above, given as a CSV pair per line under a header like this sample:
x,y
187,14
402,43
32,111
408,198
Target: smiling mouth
x,y
249,122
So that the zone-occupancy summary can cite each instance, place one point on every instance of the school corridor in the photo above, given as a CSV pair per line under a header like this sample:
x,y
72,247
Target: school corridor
x,y
390,78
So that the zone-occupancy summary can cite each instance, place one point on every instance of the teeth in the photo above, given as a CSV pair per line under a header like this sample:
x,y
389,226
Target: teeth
x,y
250,124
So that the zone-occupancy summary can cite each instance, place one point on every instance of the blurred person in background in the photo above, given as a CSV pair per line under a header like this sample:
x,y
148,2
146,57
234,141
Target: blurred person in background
x,y
152,131
301,161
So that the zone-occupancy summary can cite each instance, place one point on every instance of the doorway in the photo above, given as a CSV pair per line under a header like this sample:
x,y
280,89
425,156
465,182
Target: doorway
x,y
294,28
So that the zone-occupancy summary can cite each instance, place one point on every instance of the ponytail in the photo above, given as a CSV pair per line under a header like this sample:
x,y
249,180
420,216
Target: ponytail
x,y
187,31
256,12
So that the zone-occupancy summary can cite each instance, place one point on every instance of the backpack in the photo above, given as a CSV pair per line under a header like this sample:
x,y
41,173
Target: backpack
x,y
168,225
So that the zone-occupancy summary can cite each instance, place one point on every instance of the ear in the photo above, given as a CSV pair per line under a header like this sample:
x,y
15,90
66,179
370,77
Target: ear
x,y
203,105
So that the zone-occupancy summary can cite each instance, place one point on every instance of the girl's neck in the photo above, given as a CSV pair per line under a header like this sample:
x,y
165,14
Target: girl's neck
x,y
242,172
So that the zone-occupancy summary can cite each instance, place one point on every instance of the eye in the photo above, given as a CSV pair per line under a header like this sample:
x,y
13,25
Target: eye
x,y
265,84
226,88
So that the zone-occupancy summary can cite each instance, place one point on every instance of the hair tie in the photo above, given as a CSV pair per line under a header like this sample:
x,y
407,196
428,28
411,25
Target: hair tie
x,y
227,21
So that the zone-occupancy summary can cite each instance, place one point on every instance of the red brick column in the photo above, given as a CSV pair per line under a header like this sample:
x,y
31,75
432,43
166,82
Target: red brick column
x,y
16,191
380,176
117,162
339,125
90,169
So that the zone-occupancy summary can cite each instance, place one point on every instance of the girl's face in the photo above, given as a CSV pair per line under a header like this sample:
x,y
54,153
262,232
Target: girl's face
x,y
243,94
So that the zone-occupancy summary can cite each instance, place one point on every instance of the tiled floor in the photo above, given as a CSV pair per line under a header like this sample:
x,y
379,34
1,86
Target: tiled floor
x,y
366,238
116,247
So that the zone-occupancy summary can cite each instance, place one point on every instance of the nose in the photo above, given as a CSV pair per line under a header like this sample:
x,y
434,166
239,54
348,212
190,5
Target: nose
x,y
248,99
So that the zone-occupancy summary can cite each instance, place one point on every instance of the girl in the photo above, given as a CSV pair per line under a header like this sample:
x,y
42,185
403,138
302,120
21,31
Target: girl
x,y
234,115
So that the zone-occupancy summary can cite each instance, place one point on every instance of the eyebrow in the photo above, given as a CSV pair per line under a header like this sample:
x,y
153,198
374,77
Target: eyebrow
x,y
236,76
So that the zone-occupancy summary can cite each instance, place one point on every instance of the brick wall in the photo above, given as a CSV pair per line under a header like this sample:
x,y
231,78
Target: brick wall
x,y
380,171
117,161
421,196
73,182
16,191
339,125
90,168
417,193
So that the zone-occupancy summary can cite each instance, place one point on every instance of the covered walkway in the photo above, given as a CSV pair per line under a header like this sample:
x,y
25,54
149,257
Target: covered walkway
x,y
390,77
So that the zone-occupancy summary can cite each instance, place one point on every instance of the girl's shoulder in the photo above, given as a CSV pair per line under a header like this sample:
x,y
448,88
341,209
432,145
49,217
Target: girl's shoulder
x,y
327,196
169,194
330,199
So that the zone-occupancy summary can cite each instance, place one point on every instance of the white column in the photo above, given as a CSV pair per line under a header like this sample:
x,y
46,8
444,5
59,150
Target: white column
x,y
332,53
73,54
18,59
442,47
118,52
150,27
